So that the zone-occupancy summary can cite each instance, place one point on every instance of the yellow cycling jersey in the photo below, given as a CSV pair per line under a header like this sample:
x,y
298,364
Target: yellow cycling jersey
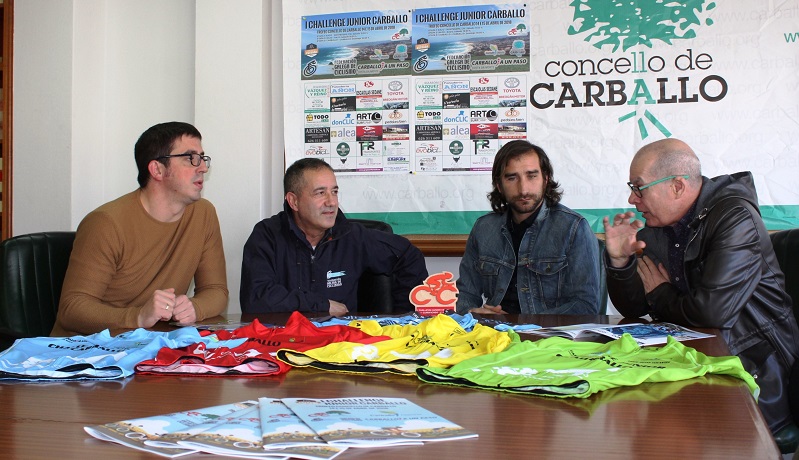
x,y
439,341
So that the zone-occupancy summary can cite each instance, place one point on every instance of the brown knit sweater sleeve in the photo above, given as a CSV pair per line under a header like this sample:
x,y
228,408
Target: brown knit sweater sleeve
x,y
122,255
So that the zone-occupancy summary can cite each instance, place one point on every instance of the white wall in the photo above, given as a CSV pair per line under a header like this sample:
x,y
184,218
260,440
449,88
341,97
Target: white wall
x,y
133,66
42,131
89,77
233,99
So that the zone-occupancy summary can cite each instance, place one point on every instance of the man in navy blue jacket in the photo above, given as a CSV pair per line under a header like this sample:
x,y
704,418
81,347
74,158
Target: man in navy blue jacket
x,y
309,257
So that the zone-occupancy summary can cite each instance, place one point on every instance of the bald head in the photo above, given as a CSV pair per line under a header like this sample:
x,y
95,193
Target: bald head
x,y
668,157
660,168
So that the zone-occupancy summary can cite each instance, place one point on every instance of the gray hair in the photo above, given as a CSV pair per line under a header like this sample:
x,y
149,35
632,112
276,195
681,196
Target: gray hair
x,y
673,157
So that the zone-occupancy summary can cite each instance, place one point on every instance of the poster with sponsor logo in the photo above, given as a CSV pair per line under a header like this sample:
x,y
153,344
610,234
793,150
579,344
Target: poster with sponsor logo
x,y
396,125
349,45
471,39
359,126
462,121
383,120
356,67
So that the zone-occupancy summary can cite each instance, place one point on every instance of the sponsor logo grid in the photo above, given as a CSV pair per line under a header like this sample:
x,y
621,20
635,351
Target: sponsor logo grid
x,y
430,125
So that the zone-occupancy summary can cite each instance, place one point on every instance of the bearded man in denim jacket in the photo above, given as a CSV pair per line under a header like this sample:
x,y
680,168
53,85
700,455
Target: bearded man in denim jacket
x,y
531,255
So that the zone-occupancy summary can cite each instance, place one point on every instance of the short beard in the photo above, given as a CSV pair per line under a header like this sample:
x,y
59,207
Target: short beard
x,y
537,200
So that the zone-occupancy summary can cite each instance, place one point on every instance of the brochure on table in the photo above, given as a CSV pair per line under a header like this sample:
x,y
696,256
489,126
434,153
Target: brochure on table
x,y
644,334
268,430
136,433
293,427
370,422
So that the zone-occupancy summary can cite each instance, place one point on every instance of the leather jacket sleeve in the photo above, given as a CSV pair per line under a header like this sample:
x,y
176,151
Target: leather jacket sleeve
x,y
722,277
625,288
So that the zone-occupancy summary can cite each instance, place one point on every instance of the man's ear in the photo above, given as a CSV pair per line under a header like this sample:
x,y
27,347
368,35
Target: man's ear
x,y
678,185
291,198
156,169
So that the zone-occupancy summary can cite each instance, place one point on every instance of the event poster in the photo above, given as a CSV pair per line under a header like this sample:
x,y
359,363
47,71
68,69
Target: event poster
x,y
360,44
471,39
366,114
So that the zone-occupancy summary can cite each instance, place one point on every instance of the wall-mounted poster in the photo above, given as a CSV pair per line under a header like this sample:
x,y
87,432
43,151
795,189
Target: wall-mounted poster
x,y
471,39
359,44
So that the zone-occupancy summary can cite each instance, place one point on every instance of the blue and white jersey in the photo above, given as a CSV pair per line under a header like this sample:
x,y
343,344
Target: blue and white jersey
x,y
466,321
400,320
97,356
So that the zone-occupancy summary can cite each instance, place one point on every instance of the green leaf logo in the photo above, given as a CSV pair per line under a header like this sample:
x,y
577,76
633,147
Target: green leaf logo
x,y
625,24
628,23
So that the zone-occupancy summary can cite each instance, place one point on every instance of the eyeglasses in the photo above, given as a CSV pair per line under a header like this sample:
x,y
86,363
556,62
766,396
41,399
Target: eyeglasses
x,y
194,158
637,188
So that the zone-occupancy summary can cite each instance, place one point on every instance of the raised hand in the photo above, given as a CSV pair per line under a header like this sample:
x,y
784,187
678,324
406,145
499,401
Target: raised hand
x,y
620,241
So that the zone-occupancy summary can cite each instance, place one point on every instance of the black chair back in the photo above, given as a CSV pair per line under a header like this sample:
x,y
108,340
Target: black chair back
x,y
786,248
32,275
603,281
374,290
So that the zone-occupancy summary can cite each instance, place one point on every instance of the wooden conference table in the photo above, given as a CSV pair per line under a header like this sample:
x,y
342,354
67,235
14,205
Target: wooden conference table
x,y
712,417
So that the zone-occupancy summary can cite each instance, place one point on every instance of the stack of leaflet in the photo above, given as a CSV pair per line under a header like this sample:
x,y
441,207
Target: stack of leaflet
x,y
281,428
644,334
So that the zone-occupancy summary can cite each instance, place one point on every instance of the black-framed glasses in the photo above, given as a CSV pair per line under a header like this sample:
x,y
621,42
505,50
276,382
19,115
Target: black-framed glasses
x,y
637,188
194,158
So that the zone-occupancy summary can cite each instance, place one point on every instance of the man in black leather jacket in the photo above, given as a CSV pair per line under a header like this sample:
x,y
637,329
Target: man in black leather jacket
x,y
707,261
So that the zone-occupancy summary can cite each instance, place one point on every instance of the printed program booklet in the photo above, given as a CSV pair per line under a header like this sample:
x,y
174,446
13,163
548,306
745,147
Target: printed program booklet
x,y
136,433
644,334
231,430
374,422
270,430
312,429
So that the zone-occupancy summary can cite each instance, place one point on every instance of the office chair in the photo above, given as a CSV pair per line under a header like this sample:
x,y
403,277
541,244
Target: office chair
x,y
786,248
31,278
603,281
374,290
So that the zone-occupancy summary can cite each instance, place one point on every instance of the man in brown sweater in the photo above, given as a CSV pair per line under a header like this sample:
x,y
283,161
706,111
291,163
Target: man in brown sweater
x,y
134,258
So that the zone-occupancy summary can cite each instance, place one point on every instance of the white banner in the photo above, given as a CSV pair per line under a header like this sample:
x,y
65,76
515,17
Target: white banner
x,y
603,79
